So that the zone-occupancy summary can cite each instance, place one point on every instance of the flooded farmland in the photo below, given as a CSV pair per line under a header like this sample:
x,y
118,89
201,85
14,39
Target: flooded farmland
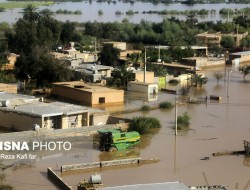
x,y
215,127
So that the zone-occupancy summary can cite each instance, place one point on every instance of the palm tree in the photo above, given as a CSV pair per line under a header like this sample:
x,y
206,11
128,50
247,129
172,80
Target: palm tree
x,y
218,76
198,80
122,76
46,15
30,13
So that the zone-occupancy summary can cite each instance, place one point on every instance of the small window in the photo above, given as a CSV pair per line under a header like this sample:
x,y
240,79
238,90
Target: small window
x,y
101,100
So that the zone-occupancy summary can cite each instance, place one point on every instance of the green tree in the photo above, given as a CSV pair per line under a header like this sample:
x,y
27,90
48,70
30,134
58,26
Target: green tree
x,y
218,76
109,55
121,76
183,121
245,70
159,70
30,13
198,80
227,42
42,67
143,124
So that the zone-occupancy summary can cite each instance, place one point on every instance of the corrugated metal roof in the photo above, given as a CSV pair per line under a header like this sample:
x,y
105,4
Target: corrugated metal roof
x,y
152,186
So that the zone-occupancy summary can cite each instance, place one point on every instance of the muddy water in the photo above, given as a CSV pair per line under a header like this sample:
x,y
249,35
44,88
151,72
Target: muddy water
x,y
215,127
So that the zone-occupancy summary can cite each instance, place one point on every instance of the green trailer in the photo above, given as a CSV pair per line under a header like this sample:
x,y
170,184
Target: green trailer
x,y
114,139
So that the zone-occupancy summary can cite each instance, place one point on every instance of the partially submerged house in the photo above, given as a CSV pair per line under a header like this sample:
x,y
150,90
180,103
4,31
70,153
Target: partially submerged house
x,y
21,112
87,94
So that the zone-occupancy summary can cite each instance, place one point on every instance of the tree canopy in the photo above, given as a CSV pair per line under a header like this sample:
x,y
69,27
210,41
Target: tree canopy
x,y
34,36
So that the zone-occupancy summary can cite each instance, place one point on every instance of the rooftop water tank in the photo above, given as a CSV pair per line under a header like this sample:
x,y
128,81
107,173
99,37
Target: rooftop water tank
x,y
35,127
95,179
5,103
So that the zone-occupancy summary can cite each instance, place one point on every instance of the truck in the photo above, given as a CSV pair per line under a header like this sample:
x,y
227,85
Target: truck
x,y
113,140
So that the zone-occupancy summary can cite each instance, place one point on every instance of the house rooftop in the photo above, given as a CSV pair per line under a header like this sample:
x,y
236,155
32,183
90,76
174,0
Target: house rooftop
x,y
92,67
241,53
87,87
32,106
151,186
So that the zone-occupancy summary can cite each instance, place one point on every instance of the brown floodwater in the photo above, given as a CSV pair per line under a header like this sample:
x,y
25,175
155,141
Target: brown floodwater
x,y
215,127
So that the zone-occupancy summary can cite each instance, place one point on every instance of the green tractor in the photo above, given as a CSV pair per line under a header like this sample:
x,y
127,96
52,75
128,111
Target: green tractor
x,y
113,140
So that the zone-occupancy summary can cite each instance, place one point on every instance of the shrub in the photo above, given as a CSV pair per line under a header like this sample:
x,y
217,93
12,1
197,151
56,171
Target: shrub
x,y
183,121
166,105
143,124
100,12
173,81
145,108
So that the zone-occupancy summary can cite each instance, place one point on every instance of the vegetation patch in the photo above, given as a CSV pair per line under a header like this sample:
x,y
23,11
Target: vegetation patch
x,y
143,124
60,11
173,81
166,105
183,121
145,108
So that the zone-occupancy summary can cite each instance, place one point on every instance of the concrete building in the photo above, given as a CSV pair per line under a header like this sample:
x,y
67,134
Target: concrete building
x,y
125,55
214,39
139,76
93,72
209,39
119,45
239,57
10,88
151,186
21,113
200,62
87,94
148,88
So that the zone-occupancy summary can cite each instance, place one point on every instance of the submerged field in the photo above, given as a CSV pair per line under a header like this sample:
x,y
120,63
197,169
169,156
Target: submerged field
x,y
13,5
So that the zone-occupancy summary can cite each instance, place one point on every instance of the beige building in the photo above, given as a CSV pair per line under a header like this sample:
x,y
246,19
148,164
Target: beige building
x,y
87,94
124,55
21,113
214,39
119,45
139,76
209,39
11,88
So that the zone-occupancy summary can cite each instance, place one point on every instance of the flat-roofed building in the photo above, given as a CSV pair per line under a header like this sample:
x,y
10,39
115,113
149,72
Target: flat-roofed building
x,y
11,88
119,45
21,113
151,186
139,76
87,94
209,39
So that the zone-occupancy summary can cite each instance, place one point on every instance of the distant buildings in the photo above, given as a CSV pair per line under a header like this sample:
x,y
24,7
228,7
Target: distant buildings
x,y
214,39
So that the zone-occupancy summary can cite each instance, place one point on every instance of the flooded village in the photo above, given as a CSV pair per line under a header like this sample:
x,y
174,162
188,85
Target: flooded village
x,y
72,125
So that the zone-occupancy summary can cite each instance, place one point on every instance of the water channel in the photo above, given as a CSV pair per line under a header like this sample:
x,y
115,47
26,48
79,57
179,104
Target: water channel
x,y
90,11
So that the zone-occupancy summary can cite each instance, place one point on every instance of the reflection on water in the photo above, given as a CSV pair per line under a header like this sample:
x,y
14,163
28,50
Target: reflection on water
x,y
123,154
246,161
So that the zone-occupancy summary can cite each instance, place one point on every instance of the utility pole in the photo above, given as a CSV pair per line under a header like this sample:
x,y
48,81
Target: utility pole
x,y
228,81
145,62
159,54
176,114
